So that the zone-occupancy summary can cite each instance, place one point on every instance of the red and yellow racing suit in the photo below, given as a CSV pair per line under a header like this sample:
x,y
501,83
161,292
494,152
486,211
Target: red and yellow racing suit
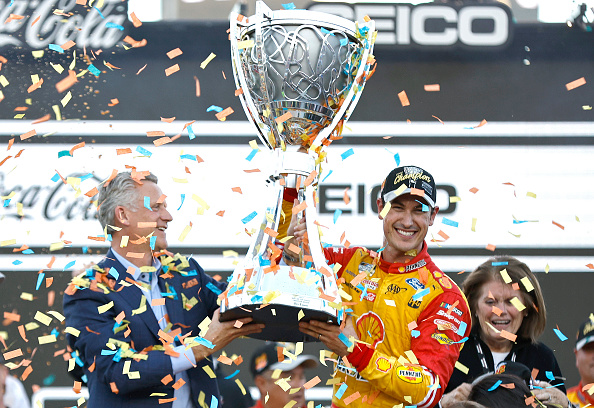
x,y
414,319
579,397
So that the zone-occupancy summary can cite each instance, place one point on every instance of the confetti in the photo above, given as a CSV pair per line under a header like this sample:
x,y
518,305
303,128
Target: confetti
x,y
403,98
574,84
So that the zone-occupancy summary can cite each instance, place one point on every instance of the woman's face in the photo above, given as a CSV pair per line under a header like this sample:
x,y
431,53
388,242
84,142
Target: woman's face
x,y
495,309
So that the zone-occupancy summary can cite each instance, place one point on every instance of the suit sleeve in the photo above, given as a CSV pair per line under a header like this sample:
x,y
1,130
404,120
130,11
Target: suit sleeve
x,y
436,348
96,330
210,288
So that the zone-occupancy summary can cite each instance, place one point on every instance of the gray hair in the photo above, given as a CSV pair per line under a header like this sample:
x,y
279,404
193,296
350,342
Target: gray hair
x,y
119,191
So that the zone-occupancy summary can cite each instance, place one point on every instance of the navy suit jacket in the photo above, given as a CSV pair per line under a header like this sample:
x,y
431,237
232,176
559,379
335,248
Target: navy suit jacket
x,y
96,330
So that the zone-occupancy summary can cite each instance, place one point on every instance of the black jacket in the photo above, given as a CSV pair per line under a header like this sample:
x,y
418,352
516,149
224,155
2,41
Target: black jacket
x,y
531,355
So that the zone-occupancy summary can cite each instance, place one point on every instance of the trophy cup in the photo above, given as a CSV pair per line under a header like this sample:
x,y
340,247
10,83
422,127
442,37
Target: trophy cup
x,y
299,75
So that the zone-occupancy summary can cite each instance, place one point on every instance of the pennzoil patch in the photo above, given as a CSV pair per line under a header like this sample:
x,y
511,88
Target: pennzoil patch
x,y
411,375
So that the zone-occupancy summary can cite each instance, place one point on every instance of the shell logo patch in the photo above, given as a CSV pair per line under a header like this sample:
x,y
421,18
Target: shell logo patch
x,y
411,375
442,339
383,364
371,324
445,282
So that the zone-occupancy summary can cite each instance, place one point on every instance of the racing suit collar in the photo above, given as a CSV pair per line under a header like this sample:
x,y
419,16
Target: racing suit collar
x,y
417,262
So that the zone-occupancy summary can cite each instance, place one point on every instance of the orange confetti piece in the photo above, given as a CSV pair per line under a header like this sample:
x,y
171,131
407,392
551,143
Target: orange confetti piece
x,y
236,190
412,325
113,102
403,98
77,387
312,383
558,225
42,119
432,88
351,398
507,335
443,235
135,21
284,118
483,123
440,121
238,324
474,190
26,373
147,224
35,86
68,44
300,207
174,53
161,141
252,171
574,84
29,134
590,266
35,21
114,173
114,388
225,360
222,115
134,43
158,302
14,317
13,354
496,310
135,255
168,120
178,384
345,197
166,400
197,86
141,69
10,143
22,333
270,232
172,69
77,146
238,92
294,248
67,82
221,213
125,150
490,247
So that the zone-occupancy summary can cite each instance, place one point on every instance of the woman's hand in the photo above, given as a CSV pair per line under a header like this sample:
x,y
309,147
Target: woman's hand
x,y
550,394
458,394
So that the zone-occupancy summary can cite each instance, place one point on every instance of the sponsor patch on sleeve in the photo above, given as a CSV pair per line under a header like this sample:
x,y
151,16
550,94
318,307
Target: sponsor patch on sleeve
x,y
411,375
383,364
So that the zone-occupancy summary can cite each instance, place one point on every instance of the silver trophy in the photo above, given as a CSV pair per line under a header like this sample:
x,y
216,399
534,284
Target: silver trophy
x,y
299,74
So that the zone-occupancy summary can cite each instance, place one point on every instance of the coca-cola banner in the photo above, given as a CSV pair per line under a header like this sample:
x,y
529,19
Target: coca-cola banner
x,y
532,200
39,24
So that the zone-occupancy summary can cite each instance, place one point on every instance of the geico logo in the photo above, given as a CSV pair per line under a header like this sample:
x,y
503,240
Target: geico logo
x,y
430,25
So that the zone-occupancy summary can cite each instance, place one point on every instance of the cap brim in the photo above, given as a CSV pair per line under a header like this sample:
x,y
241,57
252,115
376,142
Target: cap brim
x,y
583,342
391,195
306,360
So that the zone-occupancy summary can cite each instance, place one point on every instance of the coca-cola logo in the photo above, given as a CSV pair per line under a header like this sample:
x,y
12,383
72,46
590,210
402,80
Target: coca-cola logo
x,y
38,23
51,202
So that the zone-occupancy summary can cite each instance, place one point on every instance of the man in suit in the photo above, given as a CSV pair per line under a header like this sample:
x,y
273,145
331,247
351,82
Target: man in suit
x,y
133,316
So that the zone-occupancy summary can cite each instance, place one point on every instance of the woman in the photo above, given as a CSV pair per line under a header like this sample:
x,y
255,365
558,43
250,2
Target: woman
x,y
508,316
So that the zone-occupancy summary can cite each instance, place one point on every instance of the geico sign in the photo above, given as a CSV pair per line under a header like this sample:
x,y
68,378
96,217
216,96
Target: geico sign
x,y
429,24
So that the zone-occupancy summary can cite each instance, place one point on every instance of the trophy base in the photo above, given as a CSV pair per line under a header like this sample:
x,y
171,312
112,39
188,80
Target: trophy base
x,y
280,325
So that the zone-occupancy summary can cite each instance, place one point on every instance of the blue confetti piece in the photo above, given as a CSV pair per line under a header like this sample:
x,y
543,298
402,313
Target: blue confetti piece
x,y
464,340
348,153
256,299
424,208
252,154
143,151
108,238
232,375
56,177
191,133
147,203
56,333
327,175
324,31
498,263
341,391
561,336
94,70
215,108
205,342
107,352
213,288
397,159
461,329
188,156
214,402
117,356
40,278
419,295
183,197
86,177
85,380
100,13
109,24
249,217
337,213
17,262
49,380
153,241
550,375
6,203
415,333
64,153
344,42
28,252
69,265
494,386
447,221
290,6
85,249
519,222
56,47
345,340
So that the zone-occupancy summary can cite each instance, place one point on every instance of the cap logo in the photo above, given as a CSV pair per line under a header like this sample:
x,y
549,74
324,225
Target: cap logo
x,y
588,327
411,173
261,362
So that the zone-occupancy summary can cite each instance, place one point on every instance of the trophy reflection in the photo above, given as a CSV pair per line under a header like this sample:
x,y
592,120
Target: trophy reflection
x,y
299,75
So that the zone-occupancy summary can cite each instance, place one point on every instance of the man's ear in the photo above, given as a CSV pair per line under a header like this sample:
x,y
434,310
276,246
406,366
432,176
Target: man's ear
x,y
260,382
121,216
380,207
433,215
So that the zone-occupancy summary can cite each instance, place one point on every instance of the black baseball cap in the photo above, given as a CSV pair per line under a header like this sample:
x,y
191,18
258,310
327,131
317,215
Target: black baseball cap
x,y
267,358
585,334
409,180
514,368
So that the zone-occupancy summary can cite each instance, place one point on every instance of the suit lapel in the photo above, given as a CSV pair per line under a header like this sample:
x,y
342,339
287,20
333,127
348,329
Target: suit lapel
x,y
132,295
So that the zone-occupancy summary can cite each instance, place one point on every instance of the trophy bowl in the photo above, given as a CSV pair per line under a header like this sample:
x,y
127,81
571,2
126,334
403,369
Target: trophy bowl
x,y
299,75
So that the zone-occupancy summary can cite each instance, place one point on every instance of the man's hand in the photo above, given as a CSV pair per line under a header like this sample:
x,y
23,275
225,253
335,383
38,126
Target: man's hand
x,y
458,394
550,394
328,334
222,333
